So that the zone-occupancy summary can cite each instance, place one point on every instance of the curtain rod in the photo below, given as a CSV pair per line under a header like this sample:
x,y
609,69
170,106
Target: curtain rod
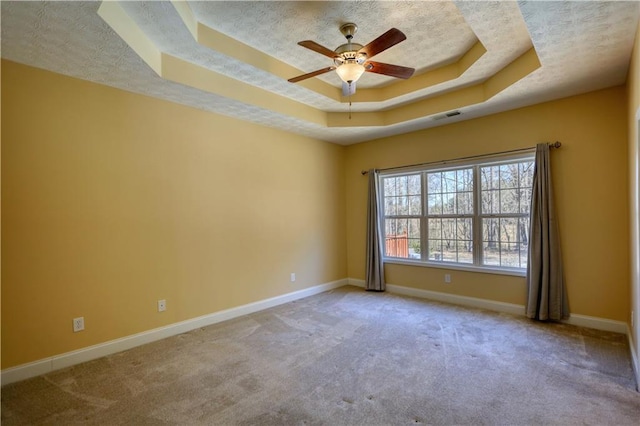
x,y
555,144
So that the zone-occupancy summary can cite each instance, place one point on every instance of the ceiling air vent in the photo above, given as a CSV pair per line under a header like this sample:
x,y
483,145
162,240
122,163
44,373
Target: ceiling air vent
x,y
447,115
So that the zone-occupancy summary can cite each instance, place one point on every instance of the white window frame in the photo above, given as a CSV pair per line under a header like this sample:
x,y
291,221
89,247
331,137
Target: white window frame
x,y
476,164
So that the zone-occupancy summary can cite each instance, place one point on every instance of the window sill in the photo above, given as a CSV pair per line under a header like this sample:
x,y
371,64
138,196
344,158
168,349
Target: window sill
x,y
458,267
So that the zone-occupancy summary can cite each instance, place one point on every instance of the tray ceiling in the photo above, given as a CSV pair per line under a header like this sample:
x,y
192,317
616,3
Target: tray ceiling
x,y
234,58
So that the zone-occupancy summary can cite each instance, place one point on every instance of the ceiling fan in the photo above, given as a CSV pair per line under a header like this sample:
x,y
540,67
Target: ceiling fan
x,y
351,60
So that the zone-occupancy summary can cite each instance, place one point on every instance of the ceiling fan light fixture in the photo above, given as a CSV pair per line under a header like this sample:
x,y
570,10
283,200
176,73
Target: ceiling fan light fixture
x,y
351,60
350,71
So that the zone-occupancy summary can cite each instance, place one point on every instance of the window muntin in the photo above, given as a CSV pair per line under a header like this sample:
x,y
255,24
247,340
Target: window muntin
x,y
475,215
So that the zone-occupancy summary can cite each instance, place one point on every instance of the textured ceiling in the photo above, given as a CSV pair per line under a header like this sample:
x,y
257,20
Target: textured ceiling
x,y
234,58
274,30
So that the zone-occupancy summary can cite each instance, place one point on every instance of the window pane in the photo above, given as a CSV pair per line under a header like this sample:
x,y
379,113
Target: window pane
x,y
506,188
510,255
448,203
524,253
414,185
449,250
465,180
435,250
397,186
525,200
449,181
465,252
403,206
523,246
508,176
391,227
404,185
489,176
490,202
415,205
490,242
402,238
464,231
389,186
508,230
509,201
523,230
401,185
414,238
490,230
435,204
402,195
491,257
505,242
434,183
450,192
448,228
390,206
396,243
526,174
464,201
435,229
450,240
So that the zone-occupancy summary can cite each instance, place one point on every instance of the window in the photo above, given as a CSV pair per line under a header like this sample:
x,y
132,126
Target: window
x,y
473,215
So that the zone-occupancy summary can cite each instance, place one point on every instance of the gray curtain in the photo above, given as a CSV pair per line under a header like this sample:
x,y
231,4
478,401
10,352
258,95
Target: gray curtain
x,y
547,297
374,279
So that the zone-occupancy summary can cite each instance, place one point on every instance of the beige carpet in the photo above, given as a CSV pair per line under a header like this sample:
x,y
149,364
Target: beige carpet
x,y
348,357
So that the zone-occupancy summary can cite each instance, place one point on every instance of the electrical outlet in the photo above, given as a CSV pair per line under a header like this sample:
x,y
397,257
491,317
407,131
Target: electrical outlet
x,y
78,324
162,305
293,277
447,278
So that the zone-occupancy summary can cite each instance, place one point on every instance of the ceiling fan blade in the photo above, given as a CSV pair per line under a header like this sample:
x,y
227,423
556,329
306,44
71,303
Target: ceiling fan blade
x,y
348,88
385,41
388,69
311,74
309,44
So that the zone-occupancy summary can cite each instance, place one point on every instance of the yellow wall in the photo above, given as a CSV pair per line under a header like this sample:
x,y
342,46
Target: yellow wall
x,y
633,94
113,200
590,181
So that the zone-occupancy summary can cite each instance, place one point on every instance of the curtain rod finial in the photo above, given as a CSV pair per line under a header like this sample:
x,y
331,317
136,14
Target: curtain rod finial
x,y
556,144
364,172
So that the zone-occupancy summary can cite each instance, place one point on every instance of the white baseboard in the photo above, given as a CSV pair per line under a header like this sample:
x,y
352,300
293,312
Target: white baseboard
x,y
635,362
492,305
355,282
43,366
454,299
597,323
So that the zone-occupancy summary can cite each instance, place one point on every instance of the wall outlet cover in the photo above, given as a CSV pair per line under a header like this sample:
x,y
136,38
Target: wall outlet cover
x,y
78,324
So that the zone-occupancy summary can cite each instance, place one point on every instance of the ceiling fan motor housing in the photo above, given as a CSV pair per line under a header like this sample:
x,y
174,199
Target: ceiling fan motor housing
x,y
351,60
348,52
349,30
